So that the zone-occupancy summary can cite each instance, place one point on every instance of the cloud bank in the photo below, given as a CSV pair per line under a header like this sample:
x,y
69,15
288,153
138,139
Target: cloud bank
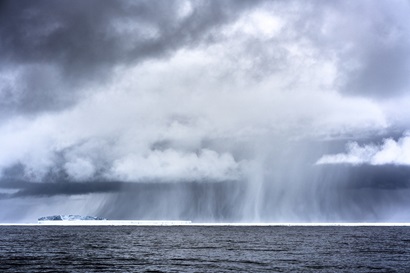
x,y
390,152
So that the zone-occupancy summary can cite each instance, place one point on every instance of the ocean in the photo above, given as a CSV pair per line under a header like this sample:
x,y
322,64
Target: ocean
x,y
204,249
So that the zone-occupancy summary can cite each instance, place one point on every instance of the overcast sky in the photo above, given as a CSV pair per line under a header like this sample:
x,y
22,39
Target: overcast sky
x,y
224,110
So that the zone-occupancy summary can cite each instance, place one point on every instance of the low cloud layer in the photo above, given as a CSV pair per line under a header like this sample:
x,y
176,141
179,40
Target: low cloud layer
x,y
389,152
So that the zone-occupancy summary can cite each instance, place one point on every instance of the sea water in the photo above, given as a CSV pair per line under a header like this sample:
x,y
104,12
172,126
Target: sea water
x,y
204,249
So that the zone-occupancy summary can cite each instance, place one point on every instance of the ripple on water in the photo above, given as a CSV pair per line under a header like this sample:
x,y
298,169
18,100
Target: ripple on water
x,y
204,249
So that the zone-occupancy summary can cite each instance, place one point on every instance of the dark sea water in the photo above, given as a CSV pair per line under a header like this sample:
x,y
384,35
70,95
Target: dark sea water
x,y
204,249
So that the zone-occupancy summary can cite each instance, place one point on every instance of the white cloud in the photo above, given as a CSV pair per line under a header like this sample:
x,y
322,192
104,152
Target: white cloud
x,y
171,165
258,24
80,169
390,152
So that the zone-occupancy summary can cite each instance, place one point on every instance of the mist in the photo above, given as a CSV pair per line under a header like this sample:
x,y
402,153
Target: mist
x,y
221,111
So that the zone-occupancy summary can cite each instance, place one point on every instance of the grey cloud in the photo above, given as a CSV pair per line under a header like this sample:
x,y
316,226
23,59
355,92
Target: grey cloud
x,y
25,188
36,88
342,194
289,191
30,189
383,54
58,47
3,196
386,177
368,41
372,40
194,201
189,201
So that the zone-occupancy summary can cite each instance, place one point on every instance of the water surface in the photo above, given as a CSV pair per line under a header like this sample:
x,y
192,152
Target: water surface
x,y
204,249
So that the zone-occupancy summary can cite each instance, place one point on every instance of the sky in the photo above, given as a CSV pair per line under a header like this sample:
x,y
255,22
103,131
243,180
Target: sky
x,y
216,111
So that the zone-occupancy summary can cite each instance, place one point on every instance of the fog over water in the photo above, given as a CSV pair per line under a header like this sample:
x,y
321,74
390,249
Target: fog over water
x,y
226,111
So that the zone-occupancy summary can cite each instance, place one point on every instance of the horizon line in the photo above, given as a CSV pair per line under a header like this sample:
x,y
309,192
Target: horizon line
x,y
189,223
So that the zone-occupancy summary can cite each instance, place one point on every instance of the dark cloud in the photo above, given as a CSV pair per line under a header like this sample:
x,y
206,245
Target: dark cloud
x,y
328,193
32,189
83,35
191,201
324,194
26,188
196,201
55,47
378,177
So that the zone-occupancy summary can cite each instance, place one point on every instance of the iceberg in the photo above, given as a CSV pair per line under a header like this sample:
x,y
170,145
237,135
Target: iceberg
x,y
70,218
78,220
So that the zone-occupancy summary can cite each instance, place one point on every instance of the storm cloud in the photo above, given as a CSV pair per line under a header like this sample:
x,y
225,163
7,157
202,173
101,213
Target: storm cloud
x,y
205,110
50,50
